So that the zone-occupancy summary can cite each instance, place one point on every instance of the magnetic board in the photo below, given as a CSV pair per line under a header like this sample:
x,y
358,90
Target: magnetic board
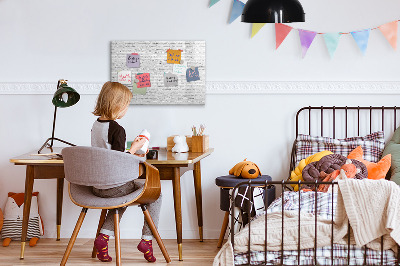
x,y
161,72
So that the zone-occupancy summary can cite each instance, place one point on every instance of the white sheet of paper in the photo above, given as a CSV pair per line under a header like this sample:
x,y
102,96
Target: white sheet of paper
x,y
180,69
125,77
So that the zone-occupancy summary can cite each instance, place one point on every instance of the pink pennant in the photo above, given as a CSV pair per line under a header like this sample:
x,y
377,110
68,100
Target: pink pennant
x,y
281,31
306,39
389,30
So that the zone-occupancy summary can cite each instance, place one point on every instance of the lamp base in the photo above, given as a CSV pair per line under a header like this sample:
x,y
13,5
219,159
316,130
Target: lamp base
x,y
50,146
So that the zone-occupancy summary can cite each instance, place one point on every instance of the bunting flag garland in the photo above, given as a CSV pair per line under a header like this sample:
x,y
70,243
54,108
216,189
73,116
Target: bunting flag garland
x,y
332,41
237,9
306,39
389,30
213,2
361,38
281,31
256,27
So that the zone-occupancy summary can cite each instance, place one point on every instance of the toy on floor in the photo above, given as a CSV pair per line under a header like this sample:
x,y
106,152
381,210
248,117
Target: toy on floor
x,y
245,169
13,215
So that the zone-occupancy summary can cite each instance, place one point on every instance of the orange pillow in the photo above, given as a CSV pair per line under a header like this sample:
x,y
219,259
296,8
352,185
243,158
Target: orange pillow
x,y
375,170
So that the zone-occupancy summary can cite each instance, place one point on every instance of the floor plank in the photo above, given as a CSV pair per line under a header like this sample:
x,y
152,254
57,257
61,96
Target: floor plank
x,y
49,252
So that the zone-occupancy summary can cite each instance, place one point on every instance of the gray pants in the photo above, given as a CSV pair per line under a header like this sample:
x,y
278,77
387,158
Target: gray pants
x,y
154,208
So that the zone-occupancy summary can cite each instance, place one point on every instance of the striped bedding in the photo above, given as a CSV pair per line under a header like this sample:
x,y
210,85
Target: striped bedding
x,y
306,202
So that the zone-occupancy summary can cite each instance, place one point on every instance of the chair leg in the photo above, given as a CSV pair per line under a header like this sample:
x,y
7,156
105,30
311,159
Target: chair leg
x,y
73,237
223,229
101,222
154,230
117,238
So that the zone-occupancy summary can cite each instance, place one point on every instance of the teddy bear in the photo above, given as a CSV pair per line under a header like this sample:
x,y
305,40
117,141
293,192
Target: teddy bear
x,y
13,215
245,169
180,144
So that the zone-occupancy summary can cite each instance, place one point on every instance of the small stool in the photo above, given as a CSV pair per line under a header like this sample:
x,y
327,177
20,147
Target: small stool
x,y
226,183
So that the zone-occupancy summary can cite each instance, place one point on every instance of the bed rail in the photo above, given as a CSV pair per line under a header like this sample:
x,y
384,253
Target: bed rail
x,y
265,185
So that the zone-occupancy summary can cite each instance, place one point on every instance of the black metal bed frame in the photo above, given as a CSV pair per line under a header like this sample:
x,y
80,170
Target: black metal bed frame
x,y
283,184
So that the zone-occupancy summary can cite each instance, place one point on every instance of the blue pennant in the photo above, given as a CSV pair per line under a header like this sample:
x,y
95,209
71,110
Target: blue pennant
x,y
237,9
361,38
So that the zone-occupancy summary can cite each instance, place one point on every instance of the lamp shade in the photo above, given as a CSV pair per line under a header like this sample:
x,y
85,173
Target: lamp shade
x,y
273,11
65,96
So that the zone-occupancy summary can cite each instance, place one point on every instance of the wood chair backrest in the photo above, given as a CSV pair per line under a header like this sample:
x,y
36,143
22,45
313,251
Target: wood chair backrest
x,y
152,187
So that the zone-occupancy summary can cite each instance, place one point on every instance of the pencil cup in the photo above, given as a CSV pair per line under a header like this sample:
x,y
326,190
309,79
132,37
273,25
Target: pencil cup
x,y
200,143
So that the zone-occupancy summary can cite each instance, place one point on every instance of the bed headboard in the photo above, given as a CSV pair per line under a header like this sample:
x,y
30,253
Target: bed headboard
x,y
348,115
344,121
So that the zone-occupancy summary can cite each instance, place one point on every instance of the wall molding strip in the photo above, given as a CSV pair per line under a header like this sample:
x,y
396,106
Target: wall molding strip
x,y
231,87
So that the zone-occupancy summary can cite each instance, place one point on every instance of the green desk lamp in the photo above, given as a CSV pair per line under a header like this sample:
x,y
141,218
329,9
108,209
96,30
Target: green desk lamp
x,y
65,96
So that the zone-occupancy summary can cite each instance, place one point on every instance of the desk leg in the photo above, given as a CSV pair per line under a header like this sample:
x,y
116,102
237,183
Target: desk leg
x,y
176,182
60,190
199,204
27,206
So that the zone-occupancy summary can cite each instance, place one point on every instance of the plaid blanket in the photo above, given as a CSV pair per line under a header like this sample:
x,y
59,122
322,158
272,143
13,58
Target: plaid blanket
x,y
323,205
306,201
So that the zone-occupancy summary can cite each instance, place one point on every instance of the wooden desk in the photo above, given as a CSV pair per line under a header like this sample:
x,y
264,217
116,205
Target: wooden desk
x,y
40,167
171,167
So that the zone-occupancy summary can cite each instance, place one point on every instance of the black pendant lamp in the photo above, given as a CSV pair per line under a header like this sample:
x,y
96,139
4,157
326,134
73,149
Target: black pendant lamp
x,y
273,11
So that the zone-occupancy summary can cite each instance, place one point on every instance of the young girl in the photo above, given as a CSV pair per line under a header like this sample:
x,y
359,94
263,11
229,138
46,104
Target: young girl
x,y
112,104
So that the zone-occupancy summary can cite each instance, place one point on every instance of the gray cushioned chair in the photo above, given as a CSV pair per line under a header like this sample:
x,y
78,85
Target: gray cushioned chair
x,y
85,167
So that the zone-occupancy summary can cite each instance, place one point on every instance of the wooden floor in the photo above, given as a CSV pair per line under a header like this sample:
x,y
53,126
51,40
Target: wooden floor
x,y
50,252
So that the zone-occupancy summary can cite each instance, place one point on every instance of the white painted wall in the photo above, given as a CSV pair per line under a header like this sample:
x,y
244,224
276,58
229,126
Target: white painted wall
x,y
42,41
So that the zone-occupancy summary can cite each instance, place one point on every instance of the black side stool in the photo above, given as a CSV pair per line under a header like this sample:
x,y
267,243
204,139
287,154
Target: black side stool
x,y
226,183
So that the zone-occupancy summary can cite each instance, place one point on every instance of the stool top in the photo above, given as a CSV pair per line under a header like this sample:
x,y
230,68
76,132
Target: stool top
x,y
230,181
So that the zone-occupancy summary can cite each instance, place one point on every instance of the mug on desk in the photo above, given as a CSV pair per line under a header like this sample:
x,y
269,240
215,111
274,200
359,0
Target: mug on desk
x,y
152,155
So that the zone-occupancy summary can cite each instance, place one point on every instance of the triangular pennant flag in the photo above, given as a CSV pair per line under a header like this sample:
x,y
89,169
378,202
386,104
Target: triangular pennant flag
x,y
332,41
281,31
361,37
306,39
213,2
237,9
256,28
390,32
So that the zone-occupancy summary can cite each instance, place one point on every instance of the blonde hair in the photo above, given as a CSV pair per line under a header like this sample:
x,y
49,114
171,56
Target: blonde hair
x,y
112,99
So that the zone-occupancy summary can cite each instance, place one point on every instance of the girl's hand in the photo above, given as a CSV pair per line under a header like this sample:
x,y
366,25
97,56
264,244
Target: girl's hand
x,y
143,155
137,144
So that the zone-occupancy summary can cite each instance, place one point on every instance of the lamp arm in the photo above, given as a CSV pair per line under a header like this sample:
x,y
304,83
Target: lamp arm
x,y
54,119
54,126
